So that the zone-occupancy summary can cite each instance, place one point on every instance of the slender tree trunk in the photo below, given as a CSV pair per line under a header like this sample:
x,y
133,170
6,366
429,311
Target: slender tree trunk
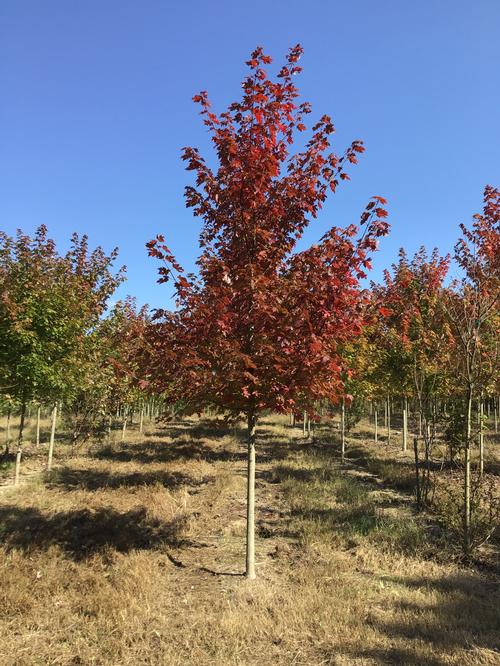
x,y
405,426
141,421
495,412
52,436
124,427
304,423
466,517
388,420
481,437
342,428
38,426
417,473
250,550
7,433
19,452
376,424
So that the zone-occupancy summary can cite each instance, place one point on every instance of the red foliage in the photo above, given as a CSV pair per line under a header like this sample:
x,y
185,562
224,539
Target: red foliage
x,y
260,326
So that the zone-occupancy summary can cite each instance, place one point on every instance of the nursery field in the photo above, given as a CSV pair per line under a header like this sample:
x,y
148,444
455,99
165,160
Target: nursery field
x,y
282,446
133,553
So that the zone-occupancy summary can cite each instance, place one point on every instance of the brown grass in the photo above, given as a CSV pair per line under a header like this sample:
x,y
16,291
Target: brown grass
x,y
132,554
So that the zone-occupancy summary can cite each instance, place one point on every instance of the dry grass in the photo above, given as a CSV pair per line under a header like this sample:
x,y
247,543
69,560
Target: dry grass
x,y
128,556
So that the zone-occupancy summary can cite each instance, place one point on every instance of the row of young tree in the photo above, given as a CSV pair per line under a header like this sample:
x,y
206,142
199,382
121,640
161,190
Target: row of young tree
x,y
262,326
435,347
61,347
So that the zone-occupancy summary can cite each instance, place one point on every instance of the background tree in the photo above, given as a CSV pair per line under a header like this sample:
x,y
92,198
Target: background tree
x,y
416,341
473,308
49,304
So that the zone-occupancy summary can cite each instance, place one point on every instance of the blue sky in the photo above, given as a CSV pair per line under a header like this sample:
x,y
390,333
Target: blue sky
x,y
95,104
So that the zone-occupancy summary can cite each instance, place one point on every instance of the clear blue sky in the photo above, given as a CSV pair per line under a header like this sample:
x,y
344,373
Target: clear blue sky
x,y
95,104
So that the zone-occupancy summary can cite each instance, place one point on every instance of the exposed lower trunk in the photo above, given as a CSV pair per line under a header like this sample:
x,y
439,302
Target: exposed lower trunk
x,y
342,429
466,509
52,436
417,473
141,420
388,420
19,452
38,426
405,426
7,434
495,412
481,437
250,546
376,424
124,427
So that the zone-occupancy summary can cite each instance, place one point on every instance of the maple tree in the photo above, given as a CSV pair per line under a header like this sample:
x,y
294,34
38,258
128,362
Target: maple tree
x,y
260,325
415,340
473,309
49,304
107,379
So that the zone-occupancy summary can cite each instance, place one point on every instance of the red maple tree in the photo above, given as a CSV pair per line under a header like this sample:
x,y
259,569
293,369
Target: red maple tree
x,y
260,327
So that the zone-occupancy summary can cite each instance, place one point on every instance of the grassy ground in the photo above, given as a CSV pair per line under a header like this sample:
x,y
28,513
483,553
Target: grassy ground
x,y
133,553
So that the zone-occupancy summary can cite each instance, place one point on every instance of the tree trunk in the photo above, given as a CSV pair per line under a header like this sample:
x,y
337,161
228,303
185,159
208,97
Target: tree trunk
x,y
466,516
405,426
376,424
388,420
250,550
304,423
342,428
52,436
141,421
38,426
19,452
7,433
124,427
481,437
495,412
417,473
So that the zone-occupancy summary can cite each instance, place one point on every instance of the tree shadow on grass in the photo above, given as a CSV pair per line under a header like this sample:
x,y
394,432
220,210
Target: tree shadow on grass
x,y
269,447
146,452
81,533
203,429
463,613
392,656
91,479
